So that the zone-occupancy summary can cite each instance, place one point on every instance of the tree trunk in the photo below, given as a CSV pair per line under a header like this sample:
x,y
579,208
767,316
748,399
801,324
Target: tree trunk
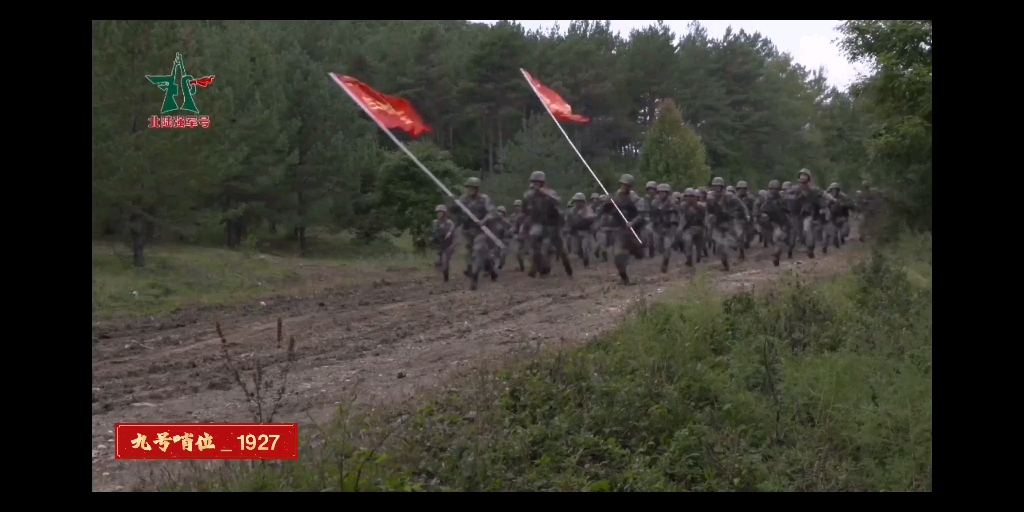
x,y
301,230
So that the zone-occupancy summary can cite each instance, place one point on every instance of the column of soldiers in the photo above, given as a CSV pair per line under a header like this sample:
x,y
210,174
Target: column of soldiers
x,y
697,223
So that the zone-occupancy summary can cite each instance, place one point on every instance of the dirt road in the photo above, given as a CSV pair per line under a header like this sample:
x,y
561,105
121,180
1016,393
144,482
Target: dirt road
x,y
384,343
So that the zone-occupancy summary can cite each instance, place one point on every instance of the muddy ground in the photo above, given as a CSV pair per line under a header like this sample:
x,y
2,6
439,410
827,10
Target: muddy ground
x,y
382,343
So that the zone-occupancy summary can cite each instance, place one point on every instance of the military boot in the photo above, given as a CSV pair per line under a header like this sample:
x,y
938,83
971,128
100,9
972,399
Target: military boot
x,y
475,280
775,259
689,261
446,275
624,276
664,266
521,266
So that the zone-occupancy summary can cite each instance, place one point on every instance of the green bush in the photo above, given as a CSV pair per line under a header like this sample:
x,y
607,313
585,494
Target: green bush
x,y
802,387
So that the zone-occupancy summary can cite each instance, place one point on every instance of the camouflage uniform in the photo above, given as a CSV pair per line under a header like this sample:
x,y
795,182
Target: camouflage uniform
x,y
543,209
479,247
648,235
764,227
624,243
580,221
605,227
730,216
812,202
504,233
665,217
702,198
773,215
517,232
837,231
796,228
749,228
443,239
693,216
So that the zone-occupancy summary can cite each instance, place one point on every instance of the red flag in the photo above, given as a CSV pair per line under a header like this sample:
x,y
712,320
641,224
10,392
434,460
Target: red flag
x,y
558,107
390,111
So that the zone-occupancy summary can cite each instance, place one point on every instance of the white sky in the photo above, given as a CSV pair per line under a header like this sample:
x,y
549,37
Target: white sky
x,y
808,41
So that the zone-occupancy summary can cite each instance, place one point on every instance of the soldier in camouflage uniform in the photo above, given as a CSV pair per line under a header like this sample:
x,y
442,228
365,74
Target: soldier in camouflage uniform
x,y
624,243
702,198
839,228
773,214
730,215
693,217
749,228
479,247
665,217
543,209
813,204
789,193
504,233
648,235
517,233
443,239
764,230
605,228
580,220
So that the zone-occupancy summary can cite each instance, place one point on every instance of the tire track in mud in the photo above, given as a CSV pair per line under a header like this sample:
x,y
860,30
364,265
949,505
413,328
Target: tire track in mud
x,y
356,341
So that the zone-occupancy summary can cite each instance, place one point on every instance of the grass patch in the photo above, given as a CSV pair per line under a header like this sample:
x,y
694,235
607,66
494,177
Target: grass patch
x,y
822,386
178,275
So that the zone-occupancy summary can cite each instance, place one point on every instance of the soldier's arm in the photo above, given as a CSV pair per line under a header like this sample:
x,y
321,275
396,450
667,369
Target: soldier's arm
x,y
744,209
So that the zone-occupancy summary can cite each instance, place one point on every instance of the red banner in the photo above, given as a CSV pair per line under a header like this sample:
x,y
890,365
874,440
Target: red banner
x,y
206,441
390,111
558,106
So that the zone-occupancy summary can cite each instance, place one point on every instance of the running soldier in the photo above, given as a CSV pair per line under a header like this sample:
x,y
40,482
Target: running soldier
x,y
773,214
543,209
665,217
605,228
812,207
580,219
442,238
504,233
624,243
749,229
517,232
479,247
694,216
839,228
730,215
648,235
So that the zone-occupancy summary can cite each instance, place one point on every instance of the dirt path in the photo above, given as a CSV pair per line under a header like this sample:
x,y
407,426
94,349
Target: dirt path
x,y
358,340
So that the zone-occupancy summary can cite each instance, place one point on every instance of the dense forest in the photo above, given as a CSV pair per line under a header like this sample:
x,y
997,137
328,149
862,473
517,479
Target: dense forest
x,y
286,148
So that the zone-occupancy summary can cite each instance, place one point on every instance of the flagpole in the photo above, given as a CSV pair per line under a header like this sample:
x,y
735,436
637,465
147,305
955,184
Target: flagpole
x,y
417,161
559,125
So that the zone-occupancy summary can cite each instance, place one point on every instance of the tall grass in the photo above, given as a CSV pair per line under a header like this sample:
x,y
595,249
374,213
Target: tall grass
x,y
822,386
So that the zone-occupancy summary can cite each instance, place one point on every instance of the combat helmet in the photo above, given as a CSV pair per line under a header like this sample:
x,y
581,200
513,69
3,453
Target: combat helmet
x,y
717,181
538,176
730,189
762,193
741,184
689,192
702,189
774,184
595,195
786,185
441,208
807,172
473,182
664,187
835,185
579,197
500,209
603,197
627,179
651,184
517,202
